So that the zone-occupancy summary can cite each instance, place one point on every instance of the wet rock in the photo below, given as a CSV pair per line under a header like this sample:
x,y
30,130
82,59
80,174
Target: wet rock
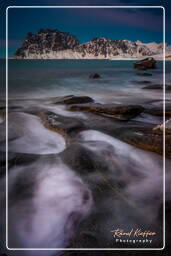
x,y
147,63
153,86
80,158
122,112
95,76
144,138
158,110
17,159
143,74
160,128
158,86
71,99
141,82
168,87
2,116
66,126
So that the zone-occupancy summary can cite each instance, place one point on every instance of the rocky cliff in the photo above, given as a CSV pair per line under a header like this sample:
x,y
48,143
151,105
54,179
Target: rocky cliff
x,y
53,44
46,41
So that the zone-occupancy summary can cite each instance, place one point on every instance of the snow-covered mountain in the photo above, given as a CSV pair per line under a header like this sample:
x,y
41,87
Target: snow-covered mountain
x,y
45,42
156,48
53,44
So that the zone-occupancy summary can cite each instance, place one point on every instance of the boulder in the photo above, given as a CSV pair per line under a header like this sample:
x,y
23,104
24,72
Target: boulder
x,y
147,63
71,99
158,110
2,116
122,112
158,86
66,126
168,87
143,74
145,138
159,128
94,76
143,82
83,160
153,86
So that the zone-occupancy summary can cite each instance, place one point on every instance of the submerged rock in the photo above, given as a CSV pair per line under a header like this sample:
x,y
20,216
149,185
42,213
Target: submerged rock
x,y
147,63
122,112
95,76
71,99
144,74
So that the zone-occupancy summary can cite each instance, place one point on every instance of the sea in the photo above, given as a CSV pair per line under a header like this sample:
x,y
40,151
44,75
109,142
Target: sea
x,y
52,78
51,204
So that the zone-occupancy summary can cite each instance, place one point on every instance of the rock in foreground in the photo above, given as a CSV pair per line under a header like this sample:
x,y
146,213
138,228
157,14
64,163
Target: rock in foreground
x,y
66,126
122,112
160,128
71,99
145,138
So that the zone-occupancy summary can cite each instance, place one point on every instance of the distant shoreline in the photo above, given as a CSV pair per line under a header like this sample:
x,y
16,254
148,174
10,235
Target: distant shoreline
x,y
114,59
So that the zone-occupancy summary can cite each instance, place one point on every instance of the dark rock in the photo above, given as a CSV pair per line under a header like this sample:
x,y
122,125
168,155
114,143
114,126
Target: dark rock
x,y
168,87
122,112
144,138
144,74
147,63
16,159
142,82
158,110
2,115
95,76
66,126
153,86
71,99
83,160
158,86
159,129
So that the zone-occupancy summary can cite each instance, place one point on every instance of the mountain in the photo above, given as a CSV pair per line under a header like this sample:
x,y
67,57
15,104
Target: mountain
x,y
45,42
54,44
156,48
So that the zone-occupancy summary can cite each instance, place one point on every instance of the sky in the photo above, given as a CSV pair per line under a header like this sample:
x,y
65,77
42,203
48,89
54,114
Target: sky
x,y
144,24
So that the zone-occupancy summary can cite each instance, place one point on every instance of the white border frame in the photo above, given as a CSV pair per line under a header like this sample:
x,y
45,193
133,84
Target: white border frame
x,y
84,249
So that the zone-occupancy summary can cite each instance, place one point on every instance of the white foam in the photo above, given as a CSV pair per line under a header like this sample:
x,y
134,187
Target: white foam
x,y
47,214
32,136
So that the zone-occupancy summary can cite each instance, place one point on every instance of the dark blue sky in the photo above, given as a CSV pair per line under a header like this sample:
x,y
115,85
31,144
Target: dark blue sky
x,y
132,24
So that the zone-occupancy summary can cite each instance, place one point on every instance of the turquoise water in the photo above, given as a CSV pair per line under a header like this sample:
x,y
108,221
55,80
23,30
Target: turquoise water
x,y
51,78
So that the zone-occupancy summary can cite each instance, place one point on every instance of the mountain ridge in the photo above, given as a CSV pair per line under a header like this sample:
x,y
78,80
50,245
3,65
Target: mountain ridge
x,y
54,44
